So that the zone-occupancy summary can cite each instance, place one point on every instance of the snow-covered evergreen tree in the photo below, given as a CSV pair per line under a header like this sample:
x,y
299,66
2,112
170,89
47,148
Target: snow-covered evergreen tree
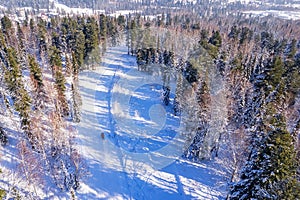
x,y
270,171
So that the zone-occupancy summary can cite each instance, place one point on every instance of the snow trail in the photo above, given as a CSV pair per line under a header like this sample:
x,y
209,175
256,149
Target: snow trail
x,y
127,163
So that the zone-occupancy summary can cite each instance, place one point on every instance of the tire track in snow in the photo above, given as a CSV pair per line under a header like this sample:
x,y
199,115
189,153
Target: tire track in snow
x,y
122,157
112,127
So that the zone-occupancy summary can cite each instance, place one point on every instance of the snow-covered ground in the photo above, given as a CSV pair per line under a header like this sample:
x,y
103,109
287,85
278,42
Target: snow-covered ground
x,y
130,141
288,15
78,11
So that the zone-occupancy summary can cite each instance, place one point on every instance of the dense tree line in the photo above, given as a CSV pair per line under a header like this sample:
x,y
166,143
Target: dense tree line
x,y
39,66
260,75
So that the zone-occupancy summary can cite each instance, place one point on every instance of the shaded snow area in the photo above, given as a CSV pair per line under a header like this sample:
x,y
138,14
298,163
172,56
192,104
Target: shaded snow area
x,y
130,140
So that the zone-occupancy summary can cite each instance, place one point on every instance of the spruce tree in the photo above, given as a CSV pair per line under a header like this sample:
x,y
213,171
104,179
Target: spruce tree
x,y
293,79
37,79
56,40
112,31
76,100
56,65
91,36
274,72
3,137
246,35
79,48
35,73
234,32
21,98
216,39
6,25
41,37
166,97
121,22
270,173
271,168
21,46
103,27
75,66
2,193
210,45
133,36
103,31
292,49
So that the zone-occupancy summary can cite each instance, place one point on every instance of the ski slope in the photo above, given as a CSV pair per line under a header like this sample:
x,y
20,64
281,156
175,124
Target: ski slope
x,y
130,140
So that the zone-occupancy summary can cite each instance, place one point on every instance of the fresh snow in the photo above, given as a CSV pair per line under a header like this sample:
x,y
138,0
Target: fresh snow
x,y
139,157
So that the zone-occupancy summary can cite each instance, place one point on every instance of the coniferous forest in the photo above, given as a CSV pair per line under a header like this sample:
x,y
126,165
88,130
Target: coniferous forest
x,y
244,75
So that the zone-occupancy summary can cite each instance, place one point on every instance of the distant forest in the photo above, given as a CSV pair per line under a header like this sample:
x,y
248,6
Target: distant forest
x,y
100,4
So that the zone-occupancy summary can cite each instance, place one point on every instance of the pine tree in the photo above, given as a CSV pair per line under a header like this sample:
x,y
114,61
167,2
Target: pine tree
x,y
2,193
37,79
21,98
148,41
91,36
121,22
190,73
93,59
274,71
178,94
211,45
112,31
68,66
166,94
234,32
172,59
271,168
293,79
41,37
270,173
56,65
203,97
216,39
246,35
56,40
103,32
6,25
292,50
3,138
32,25
166,57
79,48
76,99
103,27
236,64
267,40
21,46
133,37
32,44
279,47
69,29
75,66
35,73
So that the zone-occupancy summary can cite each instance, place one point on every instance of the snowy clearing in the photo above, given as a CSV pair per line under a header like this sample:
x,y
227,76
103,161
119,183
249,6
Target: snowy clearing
x,y
123,161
